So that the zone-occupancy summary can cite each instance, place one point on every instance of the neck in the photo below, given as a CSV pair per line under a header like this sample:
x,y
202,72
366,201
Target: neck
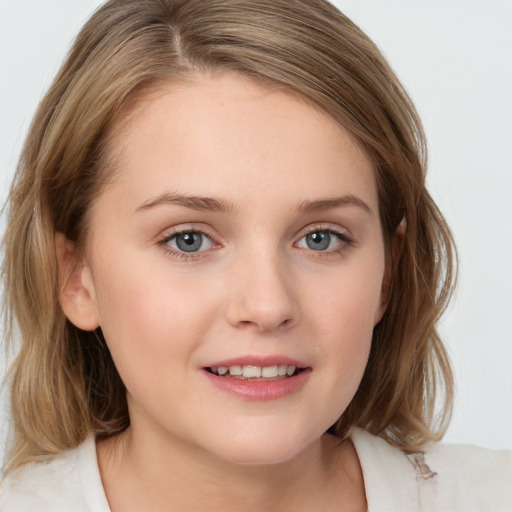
x,y
150,474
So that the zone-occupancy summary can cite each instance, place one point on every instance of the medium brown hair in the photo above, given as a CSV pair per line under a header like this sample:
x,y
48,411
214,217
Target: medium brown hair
x,y
64,385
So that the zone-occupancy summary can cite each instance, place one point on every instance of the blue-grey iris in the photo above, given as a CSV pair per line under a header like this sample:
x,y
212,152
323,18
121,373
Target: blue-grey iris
x,y
318,240
189,242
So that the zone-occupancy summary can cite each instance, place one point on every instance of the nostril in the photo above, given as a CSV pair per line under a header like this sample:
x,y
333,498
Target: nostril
x,y
264,325
247,324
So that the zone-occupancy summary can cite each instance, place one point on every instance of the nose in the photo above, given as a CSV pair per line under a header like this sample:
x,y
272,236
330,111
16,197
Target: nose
x,y
261,295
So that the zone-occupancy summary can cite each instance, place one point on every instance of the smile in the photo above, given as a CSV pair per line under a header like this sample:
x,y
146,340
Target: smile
x,y
251,372
258,378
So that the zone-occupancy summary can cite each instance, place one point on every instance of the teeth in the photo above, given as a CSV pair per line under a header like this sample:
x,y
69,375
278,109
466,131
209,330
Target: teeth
x,y
250,371
235,370
269,371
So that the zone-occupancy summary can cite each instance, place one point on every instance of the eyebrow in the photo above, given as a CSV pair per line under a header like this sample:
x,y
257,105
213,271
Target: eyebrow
x,y
212,204
198,203
333,202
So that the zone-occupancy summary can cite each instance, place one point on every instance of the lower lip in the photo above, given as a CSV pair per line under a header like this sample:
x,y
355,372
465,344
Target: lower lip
x,y
259,390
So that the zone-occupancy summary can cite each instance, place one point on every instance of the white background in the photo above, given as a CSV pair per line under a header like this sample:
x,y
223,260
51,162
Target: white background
x,y
455,59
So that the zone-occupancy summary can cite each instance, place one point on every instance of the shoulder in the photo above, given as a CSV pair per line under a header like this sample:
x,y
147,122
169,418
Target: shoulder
x,y
441,477
472,474
69,481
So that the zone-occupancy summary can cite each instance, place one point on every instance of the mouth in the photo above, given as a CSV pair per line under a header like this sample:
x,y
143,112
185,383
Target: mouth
x,y
259,378
251,372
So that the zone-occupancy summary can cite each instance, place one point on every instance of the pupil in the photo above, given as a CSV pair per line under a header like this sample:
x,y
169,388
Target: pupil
x,y
318,241
189,242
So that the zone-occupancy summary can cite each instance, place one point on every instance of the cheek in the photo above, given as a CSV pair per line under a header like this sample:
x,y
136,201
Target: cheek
x,y
343,319
148,316
351,299
346,327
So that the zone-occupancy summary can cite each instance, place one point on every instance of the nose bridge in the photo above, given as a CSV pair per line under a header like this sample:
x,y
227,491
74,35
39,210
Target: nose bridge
x,y
262,294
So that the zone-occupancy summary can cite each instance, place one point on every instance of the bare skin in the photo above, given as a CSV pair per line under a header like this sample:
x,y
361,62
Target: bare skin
x,y
326,476
241,228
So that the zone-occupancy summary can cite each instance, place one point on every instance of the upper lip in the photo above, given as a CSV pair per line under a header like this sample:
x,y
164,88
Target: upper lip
x,y
255,360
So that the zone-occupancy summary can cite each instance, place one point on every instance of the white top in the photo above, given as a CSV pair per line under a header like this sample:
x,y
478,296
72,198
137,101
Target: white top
x,y
442,478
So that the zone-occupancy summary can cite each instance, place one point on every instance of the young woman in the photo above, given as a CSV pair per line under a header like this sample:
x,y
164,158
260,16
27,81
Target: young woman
x,y
230,275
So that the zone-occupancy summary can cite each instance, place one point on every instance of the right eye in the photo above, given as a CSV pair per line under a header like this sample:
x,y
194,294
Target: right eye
x,y
189,241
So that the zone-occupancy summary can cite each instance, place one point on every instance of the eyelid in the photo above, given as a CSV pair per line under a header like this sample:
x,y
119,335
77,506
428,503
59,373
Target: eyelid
x,y
174,231
344,235
337,230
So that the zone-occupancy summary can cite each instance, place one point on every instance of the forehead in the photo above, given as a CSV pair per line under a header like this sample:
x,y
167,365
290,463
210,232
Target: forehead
x,y
215,133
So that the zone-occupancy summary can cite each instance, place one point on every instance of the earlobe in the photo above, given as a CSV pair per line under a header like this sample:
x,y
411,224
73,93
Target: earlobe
x,y
76,286
396,248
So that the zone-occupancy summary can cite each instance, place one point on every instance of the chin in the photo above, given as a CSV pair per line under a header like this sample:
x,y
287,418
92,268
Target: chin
x,y
261,448
258,456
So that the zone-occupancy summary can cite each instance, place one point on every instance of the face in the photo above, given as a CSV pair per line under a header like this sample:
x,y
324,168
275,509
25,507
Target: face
x,y
235,266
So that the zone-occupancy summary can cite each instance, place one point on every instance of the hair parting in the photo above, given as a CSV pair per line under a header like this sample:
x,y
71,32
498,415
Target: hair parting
x,y
64,385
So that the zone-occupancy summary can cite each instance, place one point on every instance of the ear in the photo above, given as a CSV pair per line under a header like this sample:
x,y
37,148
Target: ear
x,y
76,286
396,247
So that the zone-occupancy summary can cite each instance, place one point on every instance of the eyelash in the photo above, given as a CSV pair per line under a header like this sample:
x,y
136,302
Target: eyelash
x,y
346,242
185,256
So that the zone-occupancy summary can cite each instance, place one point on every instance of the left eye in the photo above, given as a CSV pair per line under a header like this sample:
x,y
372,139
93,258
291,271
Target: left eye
x,y
320,240
190,241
